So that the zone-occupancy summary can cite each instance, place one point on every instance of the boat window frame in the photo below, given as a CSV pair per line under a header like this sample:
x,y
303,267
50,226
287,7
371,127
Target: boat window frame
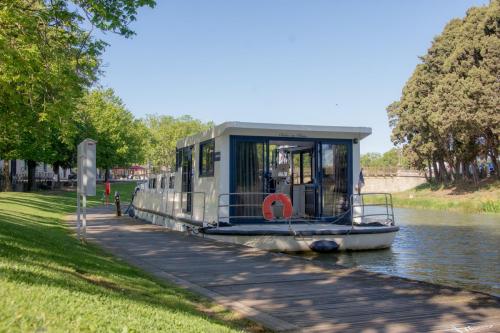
x,y
152,183
178,158
301,167
171,182
210,170
318,141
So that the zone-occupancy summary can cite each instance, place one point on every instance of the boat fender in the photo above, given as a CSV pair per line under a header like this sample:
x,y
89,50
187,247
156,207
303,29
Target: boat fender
x,y
267,211
324,246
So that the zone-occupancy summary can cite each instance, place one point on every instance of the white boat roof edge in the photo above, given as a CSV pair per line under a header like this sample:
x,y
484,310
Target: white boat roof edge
x,y
277,130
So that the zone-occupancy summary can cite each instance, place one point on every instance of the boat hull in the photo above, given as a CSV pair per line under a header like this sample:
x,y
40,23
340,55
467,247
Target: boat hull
x,y
355,242
280,238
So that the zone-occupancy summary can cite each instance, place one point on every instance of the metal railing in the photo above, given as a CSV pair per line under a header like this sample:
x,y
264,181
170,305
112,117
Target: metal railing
x,y
228,204
385,213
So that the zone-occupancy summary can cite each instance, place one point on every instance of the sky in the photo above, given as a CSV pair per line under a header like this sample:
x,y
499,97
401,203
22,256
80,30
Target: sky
x,y
313,62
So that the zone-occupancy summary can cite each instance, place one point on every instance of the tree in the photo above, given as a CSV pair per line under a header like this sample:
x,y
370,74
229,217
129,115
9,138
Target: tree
x,y
48,59
447,117
121,139
164,132
390,159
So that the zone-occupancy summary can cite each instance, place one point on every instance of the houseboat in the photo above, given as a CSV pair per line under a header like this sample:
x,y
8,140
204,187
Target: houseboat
x,y
272,186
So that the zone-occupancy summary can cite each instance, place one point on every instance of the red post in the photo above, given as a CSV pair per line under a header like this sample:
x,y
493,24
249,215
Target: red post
x,y
107,191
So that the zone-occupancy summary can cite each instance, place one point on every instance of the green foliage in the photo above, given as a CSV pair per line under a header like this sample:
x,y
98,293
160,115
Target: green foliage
x,y
121,139
50,282
48,59
165,131
45,64
390,159
448,111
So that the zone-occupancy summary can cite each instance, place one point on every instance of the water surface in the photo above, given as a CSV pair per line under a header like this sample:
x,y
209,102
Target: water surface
x,y
437,246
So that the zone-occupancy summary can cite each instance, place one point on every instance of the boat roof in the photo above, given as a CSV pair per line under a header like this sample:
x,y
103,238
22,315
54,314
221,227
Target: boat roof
x,y
277,130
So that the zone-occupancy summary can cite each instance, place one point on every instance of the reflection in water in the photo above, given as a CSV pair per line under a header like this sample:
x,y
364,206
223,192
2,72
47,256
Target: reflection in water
x,y
436,246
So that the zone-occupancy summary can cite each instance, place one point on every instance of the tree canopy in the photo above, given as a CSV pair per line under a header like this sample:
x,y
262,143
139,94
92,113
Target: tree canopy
x,y
164,132
120,137
392,158
448,115
49,58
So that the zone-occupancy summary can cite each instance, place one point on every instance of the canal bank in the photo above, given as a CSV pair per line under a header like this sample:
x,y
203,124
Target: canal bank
x,y
463,198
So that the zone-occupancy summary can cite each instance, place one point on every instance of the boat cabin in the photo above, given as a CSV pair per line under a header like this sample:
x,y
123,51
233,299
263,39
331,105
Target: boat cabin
x,y
222,175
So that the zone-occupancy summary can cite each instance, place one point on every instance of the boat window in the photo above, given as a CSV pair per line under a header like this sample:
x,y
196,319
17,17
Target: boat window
x,y
302,167
297,175
178,159
335,179
207,150
171,182
250,160
307,167
162,182
152,183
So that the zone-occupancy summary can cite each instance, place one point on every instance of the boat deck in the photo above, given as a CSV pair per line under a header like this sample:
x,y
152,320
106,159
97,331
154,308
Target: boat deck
x,y
288,293
297,228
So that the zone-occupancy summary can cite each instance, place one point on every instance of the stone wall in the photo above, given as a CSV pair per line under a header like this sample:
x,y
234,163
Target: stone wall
x,y
392,184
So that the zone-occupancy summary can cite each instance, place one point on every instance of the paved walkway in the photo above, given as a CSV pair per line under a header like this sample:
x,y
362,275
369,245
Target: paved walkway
x,y
287,293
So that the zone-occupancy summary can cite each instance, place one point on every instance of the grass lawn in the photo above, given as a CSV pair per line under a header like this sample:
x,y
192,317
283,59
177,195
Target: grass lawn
x,y
125,188
50,282
465,198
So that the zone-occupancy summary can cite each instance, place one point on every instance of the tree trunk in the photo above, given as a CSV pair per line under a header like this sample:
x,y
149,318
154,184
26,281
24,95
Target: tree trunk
x,y
494,160
475,173
492,144
31,175
437,172
106,175
452,172
466,171
7,185
443,174
56,171
428,174
458,174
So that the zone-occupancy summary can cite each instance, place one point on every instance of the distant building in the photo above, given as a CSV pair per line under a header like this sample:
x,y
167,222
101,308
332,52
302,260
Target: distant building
x,y
133,172
43,171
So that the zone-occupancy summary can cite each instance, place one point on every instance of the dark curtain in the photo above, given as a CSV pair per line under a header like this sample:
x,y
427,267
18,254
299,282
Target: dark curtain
x,y
249,178
341,200
335,179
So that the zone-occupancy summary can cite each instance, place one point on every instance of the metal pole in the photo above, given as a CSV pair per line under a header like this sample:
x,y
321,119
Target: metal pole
x,y
78,221
84,225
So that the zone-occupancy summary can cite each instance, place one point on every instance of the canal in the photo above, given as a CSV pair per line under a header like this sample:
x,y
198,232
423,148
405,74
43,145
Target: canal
x,y
437,246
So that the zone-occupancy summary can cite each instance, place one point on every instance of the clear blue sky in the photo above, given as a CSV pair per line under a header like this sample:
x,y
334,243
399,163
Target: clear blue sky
x,y
326,62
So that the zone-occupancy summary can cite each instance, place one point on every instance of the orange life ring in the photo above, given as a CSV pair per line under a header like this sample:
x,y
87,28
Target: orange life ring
x,y
267,211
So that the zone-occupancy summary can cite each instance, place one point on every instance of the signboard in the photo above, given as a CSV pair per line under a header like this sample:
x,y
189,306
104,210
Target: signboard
x,y
87,175
87,170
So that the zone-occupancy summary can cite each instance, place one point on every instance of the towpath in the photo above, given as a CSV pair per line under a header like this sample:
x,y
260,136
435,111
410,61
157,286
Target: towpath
x,y
288,293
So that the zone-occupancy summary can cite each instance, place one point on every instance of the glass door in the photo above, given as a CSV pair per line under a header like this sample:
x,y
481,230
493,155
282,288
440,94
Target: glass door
x,y
334,179
250,168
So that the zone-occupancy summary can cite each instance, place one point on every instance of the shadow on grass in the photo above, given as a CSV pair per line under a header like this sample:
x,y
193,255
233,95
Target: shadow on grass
x,y
38,250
